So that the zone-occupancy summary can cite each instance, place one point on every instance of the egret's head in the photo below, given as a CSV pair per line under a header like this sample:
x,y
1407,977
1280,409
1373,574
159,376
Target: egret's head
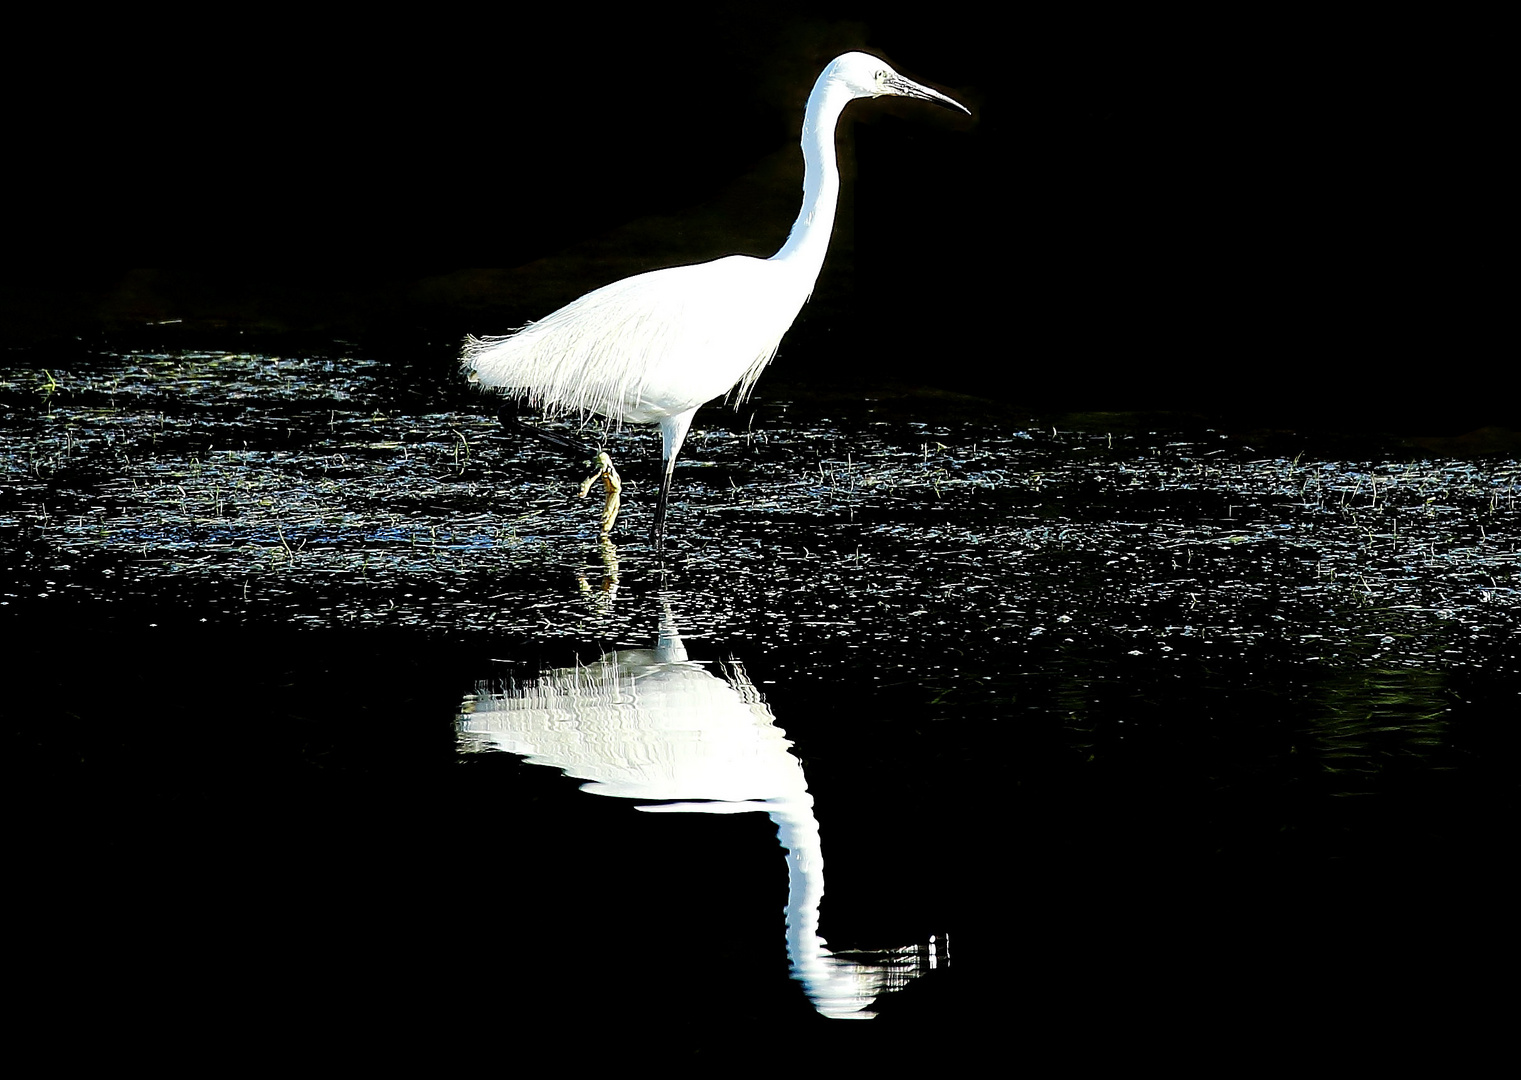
x,y
865,75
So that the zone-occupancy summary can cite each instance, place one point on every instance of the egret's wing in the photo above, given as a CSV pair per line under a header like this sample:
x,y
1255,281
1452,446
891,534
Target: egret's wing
x,y
650,346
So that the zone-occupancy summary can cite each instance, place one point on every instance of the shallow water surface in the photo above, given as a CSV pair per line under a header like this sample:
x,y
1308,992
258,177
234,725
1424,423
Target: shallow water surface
x,y
362,681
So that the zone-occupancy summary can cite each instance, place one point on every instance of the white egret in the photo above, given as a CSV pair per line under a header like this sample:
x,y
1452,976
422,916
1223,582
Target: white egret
x,y
653,348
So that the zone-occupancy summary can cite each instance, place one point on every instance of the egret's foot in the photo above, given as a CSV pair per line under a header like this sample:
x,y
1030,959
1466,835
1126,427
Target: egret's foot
x,y
611,485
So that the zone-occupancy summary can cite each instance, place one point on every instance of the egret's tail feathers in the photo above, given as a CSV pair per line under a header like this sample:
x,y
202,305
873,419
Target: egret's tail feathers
x,y
470,357
552,366
473,346
586,358
492,362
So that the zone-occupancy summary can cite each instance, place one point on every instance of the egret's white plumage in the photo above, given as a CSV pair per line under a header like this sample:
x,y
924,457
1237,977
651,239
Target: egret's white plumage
x,y
653,348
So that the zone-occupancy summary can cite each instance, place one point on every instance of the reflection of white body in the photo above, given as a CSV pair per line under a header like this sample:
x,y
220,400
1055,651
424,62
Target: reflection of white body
x,y
644,728
652,348
649,724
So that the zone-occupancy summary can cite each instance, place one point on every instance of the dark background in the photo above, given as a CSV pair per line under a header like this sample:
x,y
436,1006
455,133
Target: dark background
x,y
1282,221
1275,219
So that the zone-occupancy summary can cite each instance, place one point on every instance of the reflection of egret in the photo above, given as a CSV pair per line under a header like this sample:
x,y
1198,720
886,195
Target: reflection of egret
x,y
650,724
652,348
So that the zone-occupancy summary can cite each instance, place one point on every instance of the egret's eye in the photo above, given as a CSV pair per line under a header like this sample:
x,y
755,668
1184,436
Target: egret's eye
x,y
881,78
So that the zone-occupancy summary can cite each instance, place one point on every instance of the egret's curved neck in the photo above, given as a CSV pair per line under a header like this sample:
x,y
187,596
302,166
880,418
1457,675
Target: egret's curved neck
x,y
809,239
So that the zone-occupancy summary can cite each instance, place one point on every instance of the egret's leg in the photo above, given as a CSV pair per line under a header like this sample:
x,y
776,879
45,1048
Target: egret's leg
x,y
507,416
673,432
657,531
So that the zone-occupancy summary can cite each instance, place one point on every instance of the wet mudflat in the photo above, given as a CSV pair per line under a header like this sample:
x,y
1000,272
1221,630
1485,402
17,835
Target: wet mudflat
x,y
308,675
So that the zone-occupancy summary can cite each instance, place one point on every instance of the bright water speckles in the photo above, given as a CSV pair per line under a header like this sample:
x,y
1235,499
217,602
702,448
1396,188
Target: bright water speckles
x,y
264,479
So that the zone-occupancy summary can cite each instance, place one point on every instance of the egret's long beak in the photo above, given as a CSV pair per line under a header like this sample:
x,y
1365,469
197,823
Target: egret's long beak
x,y
897,84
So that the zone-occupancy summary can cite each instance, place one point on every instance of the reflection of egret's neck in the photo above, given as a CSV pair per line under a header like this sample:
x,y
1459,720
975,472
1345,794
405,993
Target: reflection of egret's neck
x,y
836,987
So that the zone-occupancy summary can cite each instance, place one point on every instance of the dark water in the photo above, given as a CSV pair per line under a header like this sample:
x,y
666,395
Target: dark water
x,y
330,711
